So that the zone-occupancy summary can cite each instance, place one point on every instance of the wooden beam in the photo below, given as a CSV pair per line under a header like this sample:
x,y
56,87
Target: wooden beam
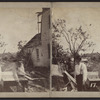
x,y
70,77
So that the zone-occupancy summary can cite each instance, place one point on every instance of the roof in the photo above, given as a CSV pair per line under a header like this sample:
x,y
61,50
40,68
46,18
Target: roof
x,y
35,41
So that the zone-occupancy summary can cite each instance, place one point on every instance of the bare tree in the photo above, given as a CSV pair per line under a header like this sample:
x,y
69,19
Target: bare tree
x,y
76,39
21,44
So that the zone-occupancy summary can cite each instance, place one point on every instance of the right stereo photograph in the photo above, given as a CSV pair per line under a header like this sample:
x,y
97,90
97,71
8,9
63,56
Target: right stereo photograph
x,y
75,49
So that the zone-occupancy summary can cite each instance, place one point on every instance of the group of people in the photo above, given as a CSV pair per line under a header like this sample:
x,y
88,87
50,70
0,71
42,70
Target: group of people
x,y
78,70
80,74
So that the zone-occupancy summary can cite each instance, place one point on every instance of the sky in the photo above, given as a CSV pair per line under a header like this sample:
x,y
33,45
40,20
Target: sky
x,y
83,16
21,24
17,24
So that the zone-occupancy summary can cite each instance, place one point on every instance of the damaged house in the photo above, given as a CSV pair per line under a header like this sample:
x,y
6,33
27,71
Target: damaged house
x,y
37,50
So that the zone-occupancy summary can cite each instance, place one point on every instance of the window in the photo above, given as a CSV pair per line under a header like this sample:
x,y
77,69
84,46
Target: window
x,y
49,21
39,23
37,53
49,51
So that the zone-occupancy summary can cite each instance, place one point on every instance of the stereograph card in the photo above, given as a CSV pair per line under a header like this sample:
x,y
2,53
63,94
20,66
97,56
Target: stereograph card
x,y
49,49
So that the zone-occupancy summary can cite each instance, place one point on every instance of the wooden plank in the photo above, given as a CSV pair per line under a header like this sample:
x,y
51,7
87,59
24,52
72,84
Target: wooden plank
x,y
71,83
31,79
93,73
72,79
95,80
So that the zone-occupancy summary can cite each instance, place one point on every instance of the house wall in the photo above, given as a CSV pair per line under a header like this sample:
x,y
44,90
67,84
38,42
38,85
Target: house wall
x,y
42,58
44,48
37,58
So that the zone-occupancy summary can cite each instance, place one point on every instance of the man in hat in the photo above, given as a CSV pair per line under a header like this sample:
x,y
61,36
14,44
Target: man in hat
x,y
80,73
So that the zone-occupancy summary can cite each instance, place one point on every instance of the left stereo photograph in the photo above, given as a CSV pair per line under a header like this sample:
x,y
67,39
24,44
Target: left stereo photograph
x,y
25,48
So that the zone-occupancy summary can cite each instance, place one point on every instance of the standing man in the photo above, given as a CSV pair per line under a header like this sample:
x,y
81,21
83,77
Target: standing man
x,y
80,73
20,69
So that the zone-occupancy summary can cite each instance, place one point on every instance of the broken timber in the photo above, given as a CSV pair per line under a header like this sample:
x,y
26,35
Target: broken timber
x,y
72,81
70,77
